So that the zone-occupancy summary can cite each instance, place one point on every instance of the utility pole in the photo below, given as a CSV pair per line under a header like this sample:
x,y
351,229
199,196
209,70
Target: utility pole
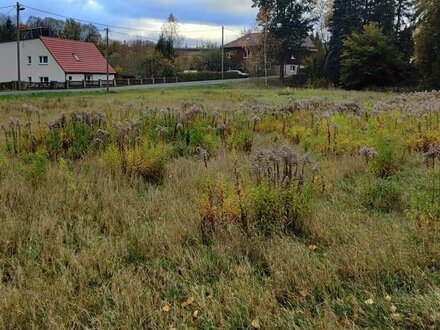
x,y
106,57
19,8
223,52
265,54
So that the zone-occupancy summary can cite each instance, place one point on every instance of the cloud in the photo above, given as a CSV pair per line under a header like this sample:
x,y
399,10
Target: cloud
x,y
193,33
200,19
231,7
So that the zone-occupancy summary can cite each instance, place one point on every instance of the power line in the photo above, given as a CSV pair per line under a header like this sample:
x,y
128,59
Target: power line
x,y
6,7
111,26
7,14
232,31
131,35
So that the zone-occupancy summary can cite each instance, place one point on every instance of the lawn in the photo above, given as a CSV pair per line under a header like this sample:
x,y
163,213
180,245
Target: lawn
x,y
220,207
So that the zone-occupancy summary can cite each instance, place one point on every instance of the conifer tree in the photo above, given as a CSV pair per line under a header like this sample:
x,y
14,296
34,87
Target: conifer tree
x,y
427,41
289,22
347,18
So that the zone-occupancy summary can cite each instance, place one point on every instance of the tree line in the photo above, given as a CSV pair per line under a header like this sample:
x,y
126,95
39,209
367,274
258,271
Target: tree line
x,y
361,43
132,58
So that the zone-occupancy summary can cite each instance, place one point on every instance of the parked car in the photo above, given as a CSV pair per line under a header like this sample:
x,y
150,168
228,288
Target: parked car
x,y
190,71
242,74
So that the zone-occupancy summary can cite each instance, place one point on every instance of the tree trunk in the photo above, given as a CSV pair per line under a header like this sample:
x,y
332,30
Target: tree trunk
x,y
282,68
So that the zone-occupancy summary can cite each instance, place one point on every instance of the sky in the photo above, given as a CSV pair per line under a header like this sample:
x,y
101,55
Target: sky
x,y
200,20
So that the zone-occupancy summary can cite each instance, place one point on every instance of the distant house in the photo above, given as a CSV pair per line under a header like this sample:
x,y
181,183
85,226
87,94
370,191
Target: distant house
x,y
245,53
47,60
188,52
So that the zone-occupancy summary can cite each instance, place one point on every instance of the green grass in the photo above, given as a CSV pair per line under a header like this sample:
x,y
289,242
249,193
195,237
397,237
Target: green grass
x,y
128,220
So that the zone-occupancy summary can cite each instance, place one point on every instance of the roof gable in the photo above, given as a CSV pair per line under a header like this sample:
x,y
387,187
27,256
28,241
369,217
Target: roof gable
x,y
77,56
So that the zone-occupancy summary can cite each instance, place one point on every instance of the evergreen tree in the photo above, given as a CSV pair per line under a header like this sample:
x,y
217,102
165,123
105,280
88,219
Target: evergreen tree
x,y
403,28
370,59
427,42
347,18
382,13
289,22
165,46
7,30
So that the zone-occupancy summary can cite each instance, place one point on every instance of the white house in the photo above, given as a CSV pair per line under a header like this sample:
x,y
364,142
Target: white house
x,y
53,59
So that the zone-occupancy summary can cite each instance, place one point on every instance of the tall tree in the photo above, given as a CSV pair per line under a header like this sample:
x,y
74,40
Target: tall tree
x,y
72,30
403,15
382,13
289,21
347,18
169,37
370,59
165,46
90,33
427,41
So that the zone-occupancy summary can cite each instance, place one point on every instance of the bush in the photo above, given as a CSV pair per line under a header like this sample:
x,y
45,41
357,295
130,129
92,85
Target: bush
x,y
147,162
383,195
388,159
241,140
206,75
274,210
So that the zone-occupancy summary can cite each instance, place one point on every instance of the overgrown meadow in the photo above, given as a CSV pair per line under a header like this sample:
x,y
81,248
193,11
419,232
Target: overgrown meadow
x,y
220,208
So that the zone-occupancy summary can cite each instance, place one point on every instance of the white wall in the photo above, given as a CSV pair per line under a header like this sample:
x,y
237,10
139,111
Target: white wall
x,y
34,48
288,70
81,76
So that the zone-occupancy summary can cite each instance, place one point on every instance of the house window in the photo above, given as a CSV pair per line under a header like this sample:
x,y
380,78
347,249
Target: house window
x,y
228,55
76,57
29,79
247,53
44,79
44,60
293,68
88,77
70,78
29,60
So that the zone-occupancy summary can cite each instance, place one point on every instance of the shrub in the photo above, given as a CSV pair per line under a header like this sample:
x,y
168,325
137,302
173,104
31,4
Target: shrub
x,y
111,158
383,195
147,162
241,140
206,75
200,136
387,161
273,209
219,205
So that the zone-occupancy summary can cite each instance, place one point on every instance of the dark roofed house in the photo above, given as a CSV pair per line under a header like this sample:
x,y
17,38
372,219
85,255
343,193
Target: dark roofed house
x,y
245,53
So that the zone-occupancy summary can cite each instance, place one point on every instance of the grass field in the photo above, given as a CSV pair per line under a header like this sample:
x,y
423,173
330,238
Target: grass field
x,y
225,207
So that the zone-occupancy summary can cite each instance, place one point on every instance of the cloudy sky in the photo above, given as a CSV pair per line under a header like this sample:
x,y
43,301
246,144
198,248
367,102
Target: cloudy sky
x,y
200,20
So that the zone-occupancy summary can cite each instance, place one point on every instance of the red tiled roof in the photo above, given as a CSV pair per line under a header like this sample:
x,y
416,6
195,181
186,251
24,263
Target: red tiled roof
x,y
77,56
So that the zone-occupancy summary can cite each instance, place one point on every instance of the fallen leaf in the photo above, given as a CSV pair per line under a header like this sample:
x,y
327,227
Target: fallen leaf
x,y
304,293
395,316
166,308
189,302
369,301
393,308
388,298
343,322
255,324
196,314
312,248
